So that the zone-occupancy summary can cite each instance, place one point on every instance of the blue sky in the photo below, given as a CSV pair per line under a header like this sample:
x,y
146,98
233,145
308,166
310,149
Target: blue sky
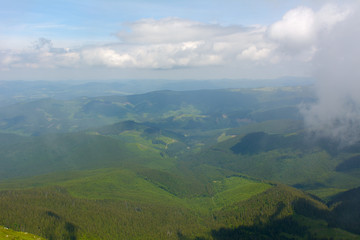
x,y
93,39
99,20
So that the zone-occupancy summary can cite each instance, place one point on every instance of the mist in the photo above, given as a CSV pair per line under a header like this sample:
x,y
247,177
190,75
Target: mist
x,y
336,113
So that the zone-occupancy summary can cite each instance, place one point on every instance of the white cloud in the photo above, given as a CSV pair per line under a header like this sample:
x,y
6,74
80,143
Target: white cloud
x,y
171,43
106,56
153,44
173,30
336,114
299,29
253,53
295,30
329,15
165,55
8,59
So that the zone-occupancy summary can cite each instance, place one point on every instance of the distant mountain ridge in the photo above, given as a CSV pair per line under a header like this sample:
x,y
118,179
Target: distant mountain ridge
x,y
20,91
199,109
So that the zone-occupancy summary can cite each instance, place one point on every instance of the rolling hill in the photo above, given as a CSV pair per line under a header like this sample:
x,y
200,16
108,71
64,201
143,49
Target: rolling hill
x,y
194,110
73,209
293,159
204,164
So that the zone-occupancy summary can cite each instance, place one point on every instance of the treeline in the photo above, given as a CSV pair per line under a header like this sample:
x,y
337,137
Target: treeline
x,y
53,214
287,213
274,204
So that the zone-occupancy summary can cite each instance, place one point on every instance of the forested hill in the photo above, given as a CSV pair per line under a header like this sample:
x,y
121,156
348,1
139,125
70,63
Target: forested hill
x,y
202,164
202,109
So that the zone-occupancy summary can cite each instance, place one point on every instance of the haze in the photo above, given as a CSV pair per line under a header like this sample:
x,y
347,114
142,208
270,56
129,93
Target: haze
x,y
110,40
179,119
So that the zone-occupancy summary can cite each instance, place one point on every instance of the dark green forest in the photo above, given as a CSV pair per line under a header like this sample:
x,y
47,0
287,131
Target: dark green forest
x,y
205,164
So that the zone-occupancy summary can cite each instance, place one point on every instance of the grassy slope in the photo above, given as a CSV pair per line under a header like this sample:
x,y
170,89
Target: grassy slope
x,y
6,233
230,201
143,185
154,193
106,188
30,156
50,211
287,158
293,215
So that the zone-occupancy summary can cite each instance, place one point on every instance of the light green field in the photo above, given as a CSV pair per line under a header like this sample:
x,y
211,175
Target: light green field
x,y
6,233
124,184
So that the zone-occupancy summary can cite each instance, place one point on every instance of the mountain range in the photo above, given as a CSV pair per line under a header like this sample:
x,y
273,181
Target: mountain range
x,y
235,163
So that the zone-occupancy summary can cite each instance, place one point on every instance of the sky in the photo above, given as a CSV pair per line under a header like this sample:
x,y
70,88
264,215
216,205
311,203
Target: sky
x,y
107,40
190,39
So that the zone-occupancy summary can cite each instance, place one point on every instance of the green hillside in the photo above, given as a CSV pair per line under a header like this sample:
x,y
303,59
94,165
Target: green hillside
x,y
201,109
146,185
292,159
54,213
136,195
6,233
346,210
205,164
30,156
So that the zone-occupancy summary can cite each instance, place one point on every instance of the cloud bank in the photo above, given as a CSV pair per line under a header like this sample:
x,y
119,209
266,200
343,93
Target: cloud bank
x,y
172,43
336,67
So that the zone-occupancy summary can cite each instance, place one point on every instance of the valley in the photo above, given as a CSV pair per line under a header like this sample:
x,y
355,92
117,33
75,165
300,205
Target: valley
x,y
234,163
